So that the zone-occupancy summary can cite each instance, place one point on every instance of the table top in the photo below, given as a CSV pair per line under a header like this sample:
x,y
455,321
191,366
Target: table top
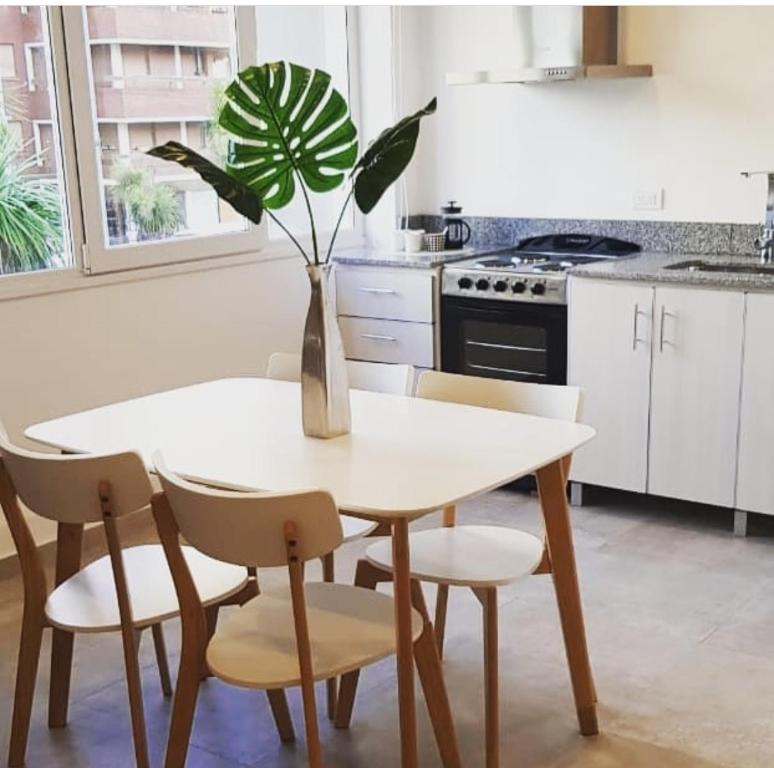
x,y
404,457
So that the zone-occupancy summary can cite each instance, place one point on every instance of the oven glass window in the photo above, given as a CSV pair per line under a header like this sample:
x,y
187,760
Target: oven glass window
x,y
504,350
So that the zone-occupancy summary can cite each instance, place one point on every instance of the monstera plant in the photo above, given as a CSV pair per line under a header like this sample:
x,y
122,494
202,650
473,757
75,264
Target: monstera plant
x,y
290,131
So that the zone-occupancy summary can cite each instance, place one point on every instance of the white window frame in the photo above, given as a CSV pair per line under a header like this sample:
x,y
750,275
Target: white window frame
x,y
98,257
81,272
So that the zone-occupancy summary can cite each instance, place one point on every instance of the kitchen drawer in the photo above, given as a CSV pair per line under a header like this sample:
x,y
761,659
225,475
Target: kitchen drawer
x,y
391,294
387,341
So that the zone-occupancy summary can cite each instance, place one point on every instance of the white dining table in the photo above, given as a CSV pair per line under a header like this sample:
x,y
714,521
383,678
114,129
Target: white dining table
x,y
405,457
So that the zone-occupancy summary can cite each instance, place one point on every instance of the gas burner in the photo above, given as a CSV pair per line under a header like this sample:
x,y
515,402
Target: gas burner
x,y
495,263
529,259
535,270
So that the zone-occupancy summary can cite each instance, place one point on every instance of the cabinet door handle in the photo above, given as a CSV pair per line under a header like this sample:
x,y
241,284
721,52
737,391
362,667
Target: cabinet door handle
x,y
635,338
378,290
377,337
664,315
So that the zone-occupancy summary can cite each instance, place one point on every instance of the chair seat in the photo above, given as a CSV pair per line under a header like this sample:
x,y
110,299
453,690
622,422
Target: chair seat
x,y
355,528
349,627
87,601
466,555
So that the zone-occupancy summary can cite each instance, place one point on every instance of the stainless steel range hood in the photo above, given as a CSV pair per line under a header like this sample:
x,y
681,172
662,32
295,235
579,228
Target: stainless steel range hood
x,y
560,43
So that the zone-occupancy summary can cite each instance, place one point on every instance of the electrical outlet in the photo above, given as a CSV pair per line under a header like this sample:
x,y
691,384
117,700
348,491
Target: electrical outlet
x,y
648,199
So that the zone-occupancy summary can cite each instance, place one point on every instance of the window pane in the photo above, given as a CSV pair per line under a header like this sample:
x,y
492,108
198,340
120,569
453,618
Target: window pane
x,y
315,37
31,203
157,73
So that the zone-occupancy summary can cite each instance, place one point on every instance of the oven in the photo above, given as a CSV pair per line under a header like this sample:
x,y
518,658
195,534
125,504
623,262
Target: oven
x,y
521,341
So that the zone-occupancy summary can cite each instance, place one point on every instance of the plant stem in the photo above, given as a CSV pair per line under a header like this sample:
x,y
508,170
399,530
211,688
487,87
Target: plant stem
x,y
311,217
288,233
338,224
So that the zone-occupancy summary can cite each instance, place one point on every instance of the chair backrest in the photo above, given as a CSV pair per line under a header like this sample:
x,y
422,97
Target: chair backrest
x,y
249,528
552,401
394,379
66,488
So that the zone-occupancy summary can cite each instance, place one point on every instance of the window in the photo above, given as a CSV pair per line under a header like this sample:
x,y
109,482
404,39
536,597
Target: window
x,y
146,85
127,78
316,37
7,60
33,233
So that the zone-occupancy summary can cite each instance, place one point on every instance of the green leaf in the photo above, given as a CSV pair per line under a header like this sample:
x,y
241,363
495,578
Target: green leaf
x,y
242,199
386,158
285,119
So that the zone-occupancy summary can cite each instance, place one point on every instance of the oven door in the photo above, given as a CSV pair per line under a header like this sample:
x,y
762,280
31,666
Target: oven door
x,y
504,340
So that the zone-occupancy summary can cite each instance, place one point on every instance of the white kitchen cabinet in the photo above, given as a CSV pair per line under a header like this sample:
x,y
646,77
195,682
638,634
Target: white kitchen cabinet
x,y
696,377
389,314
755,478
609,341
387,341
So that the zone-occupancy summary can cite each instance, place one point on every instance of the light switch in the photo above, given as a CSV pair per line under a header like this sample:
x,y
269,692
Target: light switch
x,y
648,199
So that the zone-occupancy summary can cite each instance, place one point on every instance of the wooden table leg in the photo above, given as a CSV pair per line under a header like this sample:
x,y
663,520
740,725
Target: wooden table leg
x,y
553,499
405,644
68,561
434,686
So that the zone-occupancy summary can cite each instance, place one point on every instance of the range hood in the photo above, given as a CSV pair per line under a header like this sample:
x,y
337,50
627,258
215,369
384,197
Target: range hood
x,y
559,43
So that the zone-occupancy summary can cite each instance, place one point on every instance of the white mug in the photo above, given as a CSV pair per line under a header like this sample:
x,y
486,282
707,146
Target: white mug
x,y
414,240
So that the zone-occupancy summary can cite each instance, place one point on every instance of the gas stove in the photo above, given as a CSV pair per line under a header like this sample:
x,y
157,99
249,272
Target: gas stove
x,y
534,270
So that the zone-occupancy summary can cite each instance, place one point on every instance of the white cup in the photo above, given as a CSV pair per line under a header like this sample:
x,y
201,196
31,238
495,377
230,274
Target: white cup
x,y
414,240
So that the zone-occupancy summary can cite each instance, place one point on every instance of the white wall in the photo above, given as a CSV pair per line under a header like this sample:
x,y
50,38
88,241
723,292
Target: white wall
x,y
69,351
581,149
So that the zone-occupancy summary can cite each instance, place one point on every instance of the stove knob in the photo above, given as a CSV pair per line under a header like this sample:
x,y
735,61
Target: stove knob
x,y
464,282
500,286
482,284
538,289
519,287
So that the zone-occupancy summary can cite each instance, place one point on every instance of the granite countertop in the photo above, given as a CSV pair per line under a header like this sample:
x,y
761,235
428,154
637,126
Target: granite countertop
x,y
422,260
653,267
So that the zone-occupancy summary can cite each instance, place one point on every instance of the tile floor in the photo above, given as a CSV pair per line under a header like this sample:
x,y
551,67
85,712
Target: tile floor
x,y
680,618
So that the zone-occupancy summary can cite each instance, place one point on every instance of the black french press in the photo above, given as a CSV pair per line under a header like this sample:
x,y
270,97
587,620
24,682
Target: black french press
x,y
455,229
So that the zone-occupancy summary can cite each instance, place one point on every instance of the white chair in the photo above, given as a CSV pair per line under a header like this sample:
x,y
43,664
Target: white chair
x,y
480,557
283,637
127,590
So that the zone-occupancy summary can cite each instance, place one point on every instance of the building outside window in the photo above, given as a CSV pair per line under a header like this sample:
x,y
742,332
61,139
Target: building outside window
x,y
32,210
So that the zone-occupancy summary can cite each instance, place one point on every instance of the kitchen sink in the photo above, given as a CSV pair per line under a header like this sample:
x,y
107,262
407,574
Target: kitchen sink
x,y
715,266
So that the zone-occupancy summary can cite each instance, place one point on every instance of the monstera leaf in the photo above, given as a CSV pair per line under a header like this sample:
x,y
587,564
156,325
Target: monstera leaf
x,y
241,198
386,158
284,120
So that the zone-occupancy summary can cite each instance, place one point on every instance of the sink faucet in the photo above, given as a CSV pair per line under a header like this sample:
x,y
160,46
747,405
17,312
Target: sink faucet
x,y
765,241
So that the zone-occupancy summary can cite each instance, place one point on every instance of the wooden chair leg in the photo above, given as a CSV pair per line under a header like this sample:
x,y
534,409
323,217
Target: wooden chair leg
x,y
160,647
441,604
366,576
26,675
488,599
281,713
68,560
131,643
61,673
442,596
328,572
211,613
428,664
183,708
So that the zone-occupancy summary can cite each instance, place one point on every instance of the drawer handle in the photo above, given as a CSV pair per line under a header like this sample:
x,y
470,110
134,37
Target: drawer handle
x,y
378,290
377,337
